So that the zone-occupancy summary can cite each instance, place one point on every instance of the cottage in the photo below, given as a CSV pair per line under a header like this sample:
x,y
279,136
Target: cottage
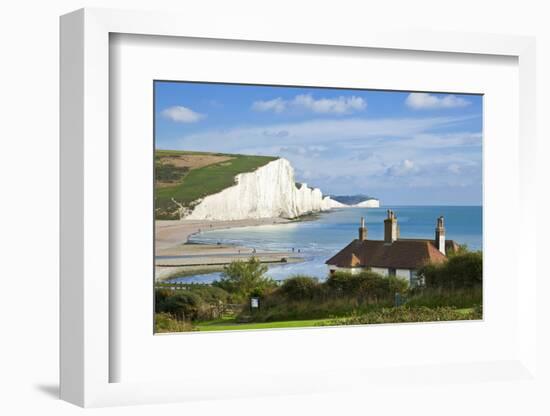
x,y
393,256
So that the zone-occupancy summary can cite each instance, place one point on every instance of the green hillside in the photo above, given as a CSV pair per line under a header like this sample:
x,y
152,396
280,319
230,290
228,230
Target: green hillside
x,y
187,176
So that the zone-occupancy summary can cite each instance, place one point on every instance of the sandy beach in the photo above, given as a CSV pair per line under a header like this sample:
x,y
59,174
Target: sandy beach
x,y
174,255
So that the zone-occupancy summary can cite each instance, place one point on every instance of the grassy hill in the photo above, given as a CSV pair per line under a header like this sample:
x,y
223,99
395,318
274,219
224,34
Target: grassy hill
x,y
187,176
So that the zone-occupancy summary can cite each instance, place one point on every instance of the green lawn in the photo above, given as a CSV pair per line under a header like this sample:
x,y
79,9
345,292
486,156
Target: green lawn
x,y
207,180
229,324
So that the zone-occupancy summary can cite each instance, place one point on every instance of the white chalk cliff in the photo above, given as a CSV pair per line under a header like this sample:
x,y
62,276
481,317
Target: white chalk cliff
x,y
269,191
369,203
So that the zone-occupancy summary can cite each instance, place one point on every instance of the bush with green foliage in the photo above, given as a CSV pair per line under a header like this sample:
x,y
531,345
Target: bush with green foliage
x,y
436,297
300,288
244,279
210,294
366,285
161,295
181,304
462,270
191,302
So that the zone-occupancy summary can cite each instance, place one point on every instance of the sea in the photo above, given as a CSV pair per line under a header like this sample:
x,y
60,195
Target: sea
x,y
319,239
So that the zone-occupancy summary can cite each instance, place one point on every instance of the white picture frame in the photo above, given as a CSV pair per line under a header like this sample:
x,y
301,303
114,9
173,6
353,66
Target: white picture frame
x,y
86,352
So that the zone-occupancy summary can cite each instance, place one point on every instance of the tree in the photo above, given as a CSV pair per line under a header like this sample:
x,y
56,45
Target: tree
x,y
245,278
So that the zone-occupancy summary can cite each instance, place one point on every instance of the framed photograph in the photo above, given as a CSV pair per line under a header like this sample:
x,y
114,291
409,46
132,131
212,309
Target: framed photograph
x,y
391,231
293,213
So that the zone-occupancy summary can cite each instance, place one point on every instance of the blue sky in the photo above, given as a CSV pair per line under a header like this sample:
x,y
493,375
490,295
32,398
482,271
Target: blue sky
x,y
404,148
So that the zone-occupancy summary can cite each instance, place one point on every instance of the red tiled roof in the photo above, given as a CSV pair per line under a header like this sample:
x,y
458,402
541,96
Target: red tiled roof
x,y
401,254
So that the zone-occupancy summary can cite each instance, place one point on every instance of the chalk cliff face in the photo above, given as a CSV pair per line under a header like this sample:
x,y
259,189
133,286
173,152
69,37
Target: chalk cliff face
x,y
369,203
270,191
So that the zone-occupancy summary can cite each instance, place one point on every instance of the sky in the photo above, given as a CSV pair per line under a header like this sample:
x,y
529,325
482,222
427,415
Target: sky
x,y
404,148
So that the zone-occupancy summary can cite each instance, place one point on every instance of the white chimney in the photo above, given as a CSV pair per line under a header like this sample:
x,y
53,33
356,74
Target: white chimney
x,y
391,229
440,235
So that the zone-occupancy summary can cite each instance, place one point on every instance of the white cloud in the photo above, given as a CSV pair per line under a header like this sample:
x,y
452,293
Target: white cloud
x,y
277,105
425,101
354,133
405,167
181,114
337,105
356,153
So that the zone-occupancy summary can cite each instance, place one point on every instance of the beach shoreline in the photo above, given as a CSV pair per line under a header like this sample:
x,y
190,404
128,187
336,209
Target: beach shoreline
x,y
175,255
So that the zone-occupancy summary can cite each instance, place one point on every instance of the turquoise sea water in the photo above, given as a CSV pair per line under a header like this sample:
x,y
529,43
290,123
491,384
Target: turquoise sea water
x,y
319,239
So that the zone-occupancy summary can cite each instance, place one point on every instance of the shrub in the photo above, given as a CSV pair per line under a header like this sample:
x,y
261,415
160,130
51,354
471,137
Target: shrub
x,y
182,304
165,322
437,297
432,275
366,285
160,296
397,285
300,288
462,270
192,301
465,270
210,294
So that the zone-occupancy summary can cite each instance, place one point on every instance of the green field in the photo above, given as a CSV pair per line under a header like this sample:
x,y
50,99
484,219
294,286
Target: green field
x,y
230,324
202,181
